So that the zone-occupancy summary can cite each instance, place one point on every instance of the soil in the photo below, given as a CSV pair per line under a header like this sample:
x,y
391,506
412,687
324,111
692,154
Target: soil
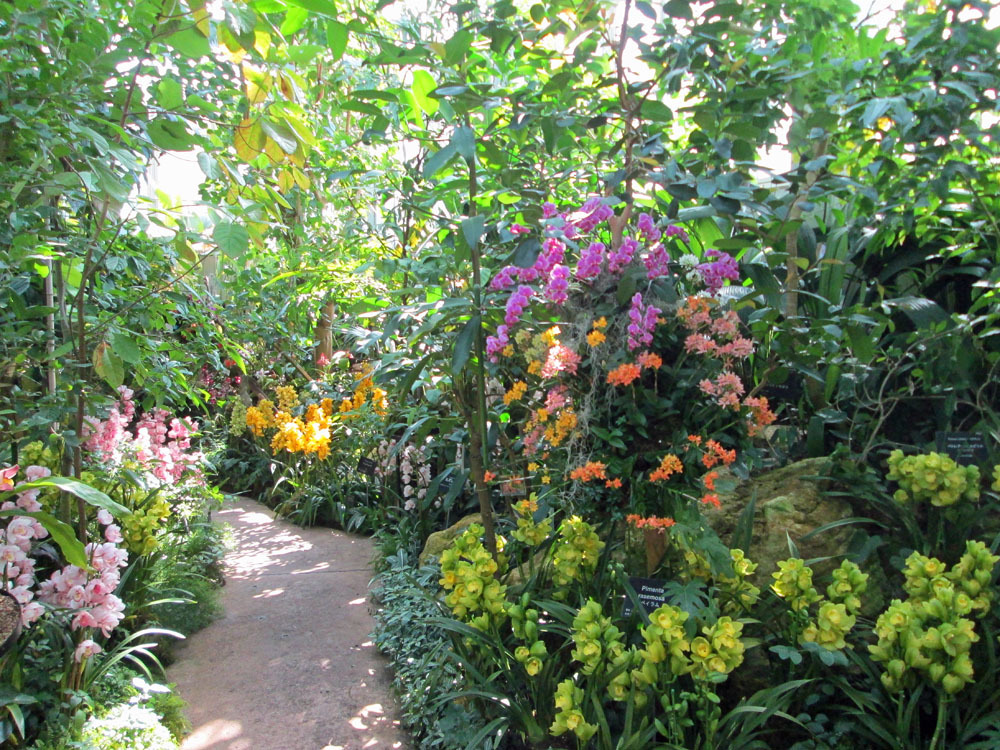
x,y
291,665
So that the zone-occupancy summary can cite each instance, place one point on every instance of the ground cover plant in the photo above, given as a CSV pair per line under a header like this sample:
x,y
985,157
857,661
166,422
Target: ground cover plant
x,y
578,285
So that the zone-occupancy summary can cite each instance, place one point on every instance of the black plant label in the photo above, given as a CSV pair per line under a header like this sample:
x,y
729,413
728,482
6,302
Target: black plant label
x,y
963,448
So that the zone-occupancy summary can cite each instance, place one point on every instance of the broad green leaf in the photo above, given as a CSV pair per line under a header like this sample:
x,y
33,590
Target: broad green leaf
x,y
295,19
472,230
169,94
464,342
170,135
91,495
437,161
189,43
232,238
465,142
336,38
281,134
423,85
321,7
109,365
126,348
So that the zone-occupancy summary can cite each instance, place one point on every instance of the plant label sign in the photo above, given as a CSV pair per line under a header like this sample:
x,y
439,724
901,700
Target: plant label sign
x,y
366,466
963,448
650,592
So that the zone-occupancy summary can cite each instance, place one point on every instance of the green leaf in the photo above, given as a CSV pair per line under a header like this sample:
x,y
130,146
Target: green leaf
x,y
472,230
169,94
170,135
321,7
464,342
337,35
109,365
423,85
190,43
295,19
91,495
464,141
126,348
231,238
282,135
61,533
656,111
436,162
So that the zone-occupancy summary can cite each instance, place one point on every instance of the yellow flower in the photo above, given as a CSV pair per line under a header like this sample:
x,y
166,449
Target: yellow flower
x,y
508,351
601,322
546,479
595,337
516,392
534,367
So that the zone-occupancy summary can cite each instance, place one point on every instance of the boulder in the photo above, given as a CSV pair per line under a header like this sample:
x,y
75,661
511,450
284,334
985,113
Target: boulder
x,y
439,541
790,502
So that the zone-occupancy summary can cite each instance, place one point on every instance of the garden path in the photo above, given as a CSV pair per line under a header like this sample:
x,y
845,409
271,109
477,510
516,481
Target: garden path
x,y
290,666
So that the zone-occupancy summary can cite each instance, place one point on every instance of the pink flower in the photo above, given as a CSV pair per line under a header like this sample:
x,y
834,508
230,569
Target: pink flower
x,y
519,229
560,359
20,529
104,517
647,228
28,501
657,262
113,534
558,284
6,475
30,612
591,259
503,279
675,231
11,553
33,473
593,212
22,594
85,650
621,257
699,344
76,597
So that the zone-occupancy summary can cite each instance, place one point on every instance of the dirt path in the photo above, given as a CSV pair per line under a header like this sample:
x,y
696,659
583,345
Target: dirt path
x,y
291,665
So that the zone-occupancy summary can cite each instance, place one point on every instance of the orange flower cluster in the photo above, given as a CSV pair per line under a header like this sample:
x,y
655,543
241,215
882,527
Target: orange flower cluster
x,y
715,454
624,374
760,414
489,476
650,360
709,480
589,471
615,483
653,522
711,499
669,465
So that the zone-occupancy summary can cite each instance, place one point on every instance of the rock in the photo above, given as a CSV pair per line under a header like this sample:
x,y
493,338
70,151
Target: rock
x,y
790,502
439,541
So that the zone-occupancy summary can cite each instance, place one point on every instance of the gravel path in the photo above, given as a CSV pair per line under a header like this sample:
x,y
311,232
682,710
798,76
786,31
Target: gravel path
x,y
291,665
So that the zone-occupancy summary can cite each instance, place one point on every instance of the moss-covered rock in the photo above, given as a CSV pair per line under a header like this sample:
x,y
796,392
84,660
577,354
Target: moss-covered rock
x,y
439,541
790,503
